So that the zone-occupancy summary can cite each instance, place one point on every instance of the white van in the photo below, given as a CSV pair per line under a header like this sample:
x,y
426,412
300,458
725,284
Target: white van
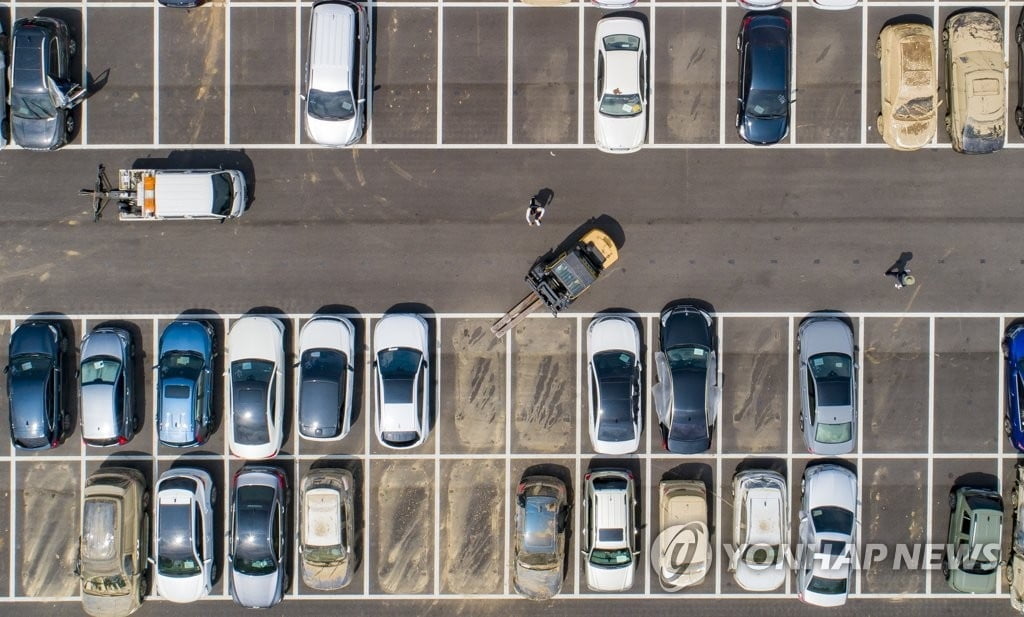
x,y
161,194
335,75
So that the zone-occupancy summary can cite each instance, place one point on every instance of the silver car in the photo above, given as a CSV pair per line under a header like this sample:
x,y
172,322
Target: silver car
x,y
258,575
106,379
327,529
184,541
828,385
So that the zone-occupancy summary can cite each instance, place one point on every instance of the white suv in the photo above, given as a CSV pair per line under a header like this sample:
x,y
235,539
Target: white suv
x,y
609,529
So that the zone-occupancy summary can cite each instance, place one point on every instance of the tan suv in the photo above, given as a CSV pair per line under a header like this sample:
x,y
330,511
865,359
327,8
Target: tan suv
x,y
975,82
114,544
906,52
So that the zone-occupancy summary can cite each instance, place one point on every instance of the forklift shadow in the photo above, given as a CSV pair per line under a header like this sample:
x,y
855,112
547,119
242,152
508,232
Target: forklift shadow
x,y
605,223
207,159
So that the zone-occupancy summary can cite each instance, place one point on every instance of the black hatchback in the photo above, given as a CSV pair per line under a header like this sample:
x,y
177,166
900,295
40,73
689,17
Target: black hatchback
x,y
42,93
762,112
39,419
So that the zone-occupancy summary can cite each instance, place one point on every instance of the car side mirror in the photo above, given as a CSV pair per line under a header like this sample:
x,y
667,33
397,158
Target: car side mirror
x,y
77,568
521,501
636,553
129,567
153,563
7,369
302,97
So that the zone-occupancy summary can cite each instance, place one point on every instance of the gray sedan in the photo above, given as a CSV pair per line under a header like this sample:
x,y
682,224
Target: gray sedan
x,y
828,385
107,387
258,575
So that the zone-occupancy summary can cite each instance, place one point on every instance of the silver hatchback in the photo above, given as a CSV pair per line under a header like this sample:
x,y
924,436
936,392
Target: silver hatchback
x,y
106,379
828,385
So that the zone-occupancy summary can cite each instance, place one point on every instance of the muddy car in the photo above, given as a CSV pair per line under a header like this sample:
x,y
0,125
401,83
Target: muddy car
x,y
1014,569
975,82
906,53
328,529
114,544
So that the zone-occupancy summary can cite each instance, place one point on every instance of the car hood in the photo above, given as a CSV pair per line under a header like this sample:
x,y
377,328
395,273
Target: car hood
x,y
176,589
620,135
256,591
334,132
610,578
825,335
685,560
110,606
326,578
186,336
35,134
764,131
685,326
255,338
400,331
831,487
97,411
611,334
103,343
33,338
538,584
910,134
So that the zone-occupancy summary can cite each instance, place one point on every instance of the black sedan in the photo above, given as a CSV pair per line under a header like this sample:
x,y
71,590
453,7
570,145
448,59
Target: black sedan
x,y
34,379
762,113
687,393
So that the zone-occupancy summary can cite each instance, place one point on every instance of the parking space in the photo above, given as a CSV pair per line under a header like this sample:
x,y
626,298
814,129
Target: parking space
x,y
828,53
120,108
474,381
966,384
565,470
6,537
472,547
544,387
405,70
191,87
46,514
402,546
900,525
262,52
895,381
640,563
687,70
545,73
755,356
475,75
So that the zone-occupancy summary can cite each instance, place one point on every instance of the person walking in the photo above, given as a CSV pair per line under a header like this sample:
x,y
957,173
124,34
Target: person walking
x,y
902,275
534,213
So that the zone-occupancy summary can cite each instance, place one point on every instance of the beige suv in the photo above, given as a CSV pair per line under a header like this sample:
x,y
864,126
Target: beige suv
x,y
114,544
975,82
906,53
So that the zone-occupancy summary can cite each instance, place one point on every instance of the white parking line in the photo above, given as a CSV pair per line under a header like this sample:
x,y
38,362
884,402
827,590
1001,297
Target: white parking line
x,y
13,504
790,471
723,52
505,146
440,70
794,104
931,443
297,444
580,78
651,90
508,460
580,489
437,456
1000,411
864,72
299,71
368,415
509,76
156,72
226,495
649,429
227,72
84,50
860,447
370,62
719,495
938,68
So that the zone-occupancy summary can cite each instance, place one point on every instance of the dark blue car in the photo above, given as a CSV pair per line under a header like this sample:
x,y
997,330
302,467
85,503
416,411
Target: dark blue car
x,y
185,384
39,419
687,393
762,113
1013,350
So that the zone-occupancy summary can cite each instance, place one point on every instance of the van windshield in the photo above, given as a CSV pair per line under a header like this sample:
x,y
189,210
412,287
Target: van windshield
x,y
222,194
331,106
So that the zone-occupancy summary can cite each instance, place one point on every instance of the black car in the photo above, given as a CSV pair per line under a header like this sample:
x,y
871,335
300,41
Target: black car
x,y
34,378
42,93
762,113
687,393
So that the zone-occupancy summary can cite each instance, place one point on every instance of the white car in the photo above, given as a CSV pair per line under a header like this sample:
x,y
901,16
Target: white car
x,y
609,529
613,358
401,362
834,5
184,525
256,395
828,512
684,552
324,379
620,85
614,4
759,5
334,102
760,529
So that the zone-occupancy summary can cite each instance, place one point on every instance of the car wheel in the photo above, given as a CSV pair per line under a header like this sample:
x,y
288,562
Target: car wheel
x,y
945,39
949,125
1018,118
1008,568
1019,35
952,500
945,568
72,47
878,48
878,125
737,42
69,125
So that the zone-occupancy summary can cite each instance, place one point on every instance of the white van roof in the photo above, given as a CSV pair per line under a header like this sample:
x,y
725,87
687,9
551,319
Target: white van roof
x,y
184,194
333,34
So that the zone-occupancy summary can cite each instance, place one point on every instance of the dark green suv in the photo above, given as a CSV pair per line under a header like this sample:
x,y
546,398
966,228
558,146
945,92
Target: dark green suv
x,y
971,562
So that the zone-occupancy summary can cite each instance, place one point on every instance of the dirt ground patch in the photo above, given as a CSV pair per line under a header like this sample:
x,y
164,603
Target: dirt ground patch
x,y
472,535
48,528
544,386
403,515
479,386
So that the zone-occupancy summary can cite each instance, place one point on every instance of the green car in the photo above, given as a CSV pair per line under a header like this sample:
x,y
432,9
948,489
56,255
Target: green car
x,y
971,562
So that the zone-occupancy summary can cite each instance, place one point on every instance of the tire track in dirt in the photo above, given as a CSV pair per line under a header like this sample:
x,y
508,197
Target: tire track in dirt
x,y
479,386
472,549
48,511
761,378
404,513
544,385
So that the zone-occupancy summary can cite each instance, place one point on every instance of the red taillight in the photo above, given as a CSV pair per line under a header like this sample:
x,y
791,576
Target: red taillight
x,y
785,19
587,476
122,440
282,481
747,20
55,442
522,485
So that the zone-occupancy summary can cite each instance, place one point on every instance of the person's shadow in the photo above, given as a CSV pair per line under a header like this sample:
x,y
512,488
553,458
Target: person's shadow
x,y
544,197
900,265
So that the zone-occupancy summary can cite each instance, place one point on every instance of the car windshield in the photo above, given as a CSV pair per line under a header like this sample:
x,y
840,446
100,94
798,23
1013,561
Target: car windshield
x,y
691,357
621,42
621,105
832,376
250,382
181,365
331,106
832,519
323,365
253,554
36,106
324,555
223,196
100,371
176,555
106,585
833,433
98,529
767,103
827,586
616,557
540,532
915,109
398,368
30,365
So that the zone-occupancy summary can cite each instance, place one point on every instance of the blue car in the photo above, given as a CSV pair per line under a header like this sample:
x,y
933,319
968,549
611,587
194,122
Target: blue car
x,y
762,113
185,384
1013,351
35,374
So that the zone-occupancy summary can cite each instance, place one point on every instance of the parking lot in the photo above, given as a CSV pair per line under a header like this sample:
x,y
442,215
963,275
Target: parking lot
x,y
437,521
469,74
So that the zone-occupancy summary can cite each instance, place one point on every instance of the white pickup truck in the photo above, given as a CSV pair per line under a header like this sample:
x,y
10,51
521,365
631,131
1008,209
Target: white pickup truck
x,y
171,194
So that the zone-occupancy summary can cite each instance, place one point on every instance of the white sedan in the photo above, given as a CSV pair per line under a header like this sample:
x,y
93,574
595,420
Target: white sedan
x,y
256,395
620,85
761,526
613,359
184,524
828,510
325,378
401,379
